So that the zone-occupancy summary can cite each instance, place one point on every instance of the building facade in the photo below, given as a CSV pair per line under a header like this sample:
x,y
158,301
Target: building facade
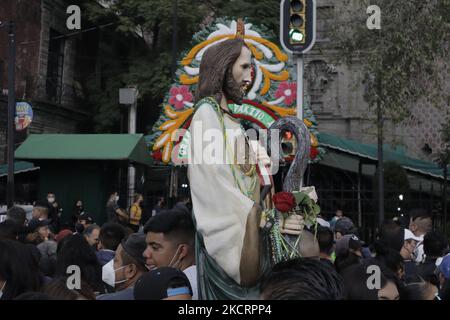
x,y
335,93
47,68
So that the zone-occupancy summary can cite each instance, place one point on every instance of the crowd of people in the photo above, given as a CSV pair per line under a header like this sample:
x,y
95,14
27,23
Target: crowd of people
x,y
133,257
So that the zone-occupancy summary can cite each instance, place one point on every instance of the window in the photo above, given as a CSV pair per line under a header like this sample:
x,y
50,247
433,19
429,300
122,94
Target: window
x,y
55,65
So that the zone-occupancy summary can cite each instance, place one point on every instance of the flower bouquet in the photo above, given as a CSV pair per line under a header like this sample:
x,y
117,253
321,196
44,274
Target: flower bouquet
x,y
284,223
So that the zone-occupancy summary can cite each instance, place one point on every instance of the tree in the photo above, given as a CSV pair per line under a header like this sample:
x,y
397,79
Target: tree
x,y
404,61
144,30
443,159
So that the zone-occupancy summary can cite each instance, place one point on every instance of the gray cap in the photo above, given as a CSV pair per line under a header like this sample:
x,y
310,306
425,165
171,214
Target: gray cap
x,y
347,242
344,225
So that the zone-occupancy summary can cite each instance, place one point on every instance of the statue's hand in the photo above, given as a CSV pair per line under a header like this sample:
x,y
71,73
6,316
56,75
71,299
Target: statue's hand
x,y
293,224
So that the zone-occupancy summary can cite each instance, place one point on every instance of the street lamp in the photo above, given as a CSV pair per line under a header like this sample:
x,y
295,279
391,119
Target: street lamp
x,y
11,109
129,97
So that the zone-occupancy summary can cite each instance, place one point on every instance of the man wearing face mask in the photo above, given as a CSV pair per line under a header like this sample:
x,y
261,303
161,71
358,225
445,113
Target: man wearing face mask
x,y
170,239
54,212
125,269
114,212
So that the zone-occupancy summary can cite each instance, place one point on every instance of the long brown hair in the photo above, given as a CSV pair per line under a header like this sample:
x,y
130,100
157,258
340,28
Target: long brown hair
x,y
215,62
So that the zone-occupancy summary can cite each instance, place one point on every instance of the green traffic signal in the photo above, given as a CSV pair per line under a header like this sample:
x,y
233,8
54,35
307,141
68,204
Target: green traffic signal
x,y
297,25
296,35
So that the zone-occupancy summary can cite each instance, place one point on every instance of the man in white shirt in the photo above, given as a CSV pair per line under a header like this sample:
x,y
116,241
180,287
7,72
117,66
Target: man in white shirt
x,y
170,239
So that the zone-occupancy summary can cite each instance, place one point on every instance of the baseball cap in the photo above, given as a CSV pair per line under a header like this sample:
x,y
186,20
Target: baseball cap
x,y
134,245
36,223
344,225
162,283
86,216
347,242
410,236
323,223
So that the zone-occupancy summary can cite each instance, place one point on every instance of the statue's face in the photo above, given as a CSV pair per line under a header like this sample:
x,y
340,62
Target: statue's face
x,y
238,78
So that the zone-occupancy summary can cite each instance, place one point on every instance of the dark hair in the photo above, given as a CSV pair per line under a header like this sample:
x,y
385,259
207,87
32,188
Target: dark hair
x,y
388,257
111,234
325,238
434,244
355,283
415,288
173,224
302,279
183,197
75,250
17,214
18,268
391,236
9,230
346,260
33,295
89,229
419,213
57,289
128,259
41,204
216,61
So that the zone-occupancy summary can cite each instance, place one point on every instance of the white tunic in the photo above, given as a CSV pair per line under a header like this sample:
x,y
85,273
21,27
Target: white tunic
x,y
219,206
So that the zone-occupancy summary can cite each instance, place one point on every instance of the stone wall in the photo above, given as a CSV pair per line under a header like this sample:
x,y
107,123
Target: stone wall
x,y
335,93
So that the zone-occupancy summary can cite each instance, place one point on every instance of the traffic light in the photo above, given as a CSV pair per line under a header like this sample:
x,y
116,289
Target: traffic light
x,y
297,25
288,145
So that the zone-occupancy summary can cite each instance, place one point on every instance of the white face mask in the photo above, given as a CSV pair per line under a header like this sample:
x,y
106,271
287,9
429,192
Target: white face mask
x,y
109,274
51,199
117,198
175,263
1,290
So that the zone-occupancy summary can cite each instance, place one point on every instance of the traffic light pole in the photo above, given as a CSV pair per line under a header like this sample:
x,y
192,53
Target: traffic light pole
x,y
11,112
299,63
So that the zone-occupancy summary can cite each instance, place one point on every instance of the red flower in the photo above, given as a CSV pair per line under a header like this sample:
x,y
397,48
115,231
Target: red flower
x,y
288,90
157,155
313,152
284,201
179,95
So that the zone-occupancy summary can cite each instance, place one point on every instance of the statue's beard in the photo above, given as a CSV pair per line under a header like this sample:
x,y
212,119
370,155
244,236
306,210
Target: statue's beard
x,y
233,91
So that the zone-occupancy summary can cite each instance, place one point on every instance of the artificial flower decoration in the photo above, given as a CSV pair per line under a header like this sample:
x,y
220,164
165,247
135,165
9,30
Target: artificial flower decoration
x,y
180,95
288,90
157,155
313,153
284,201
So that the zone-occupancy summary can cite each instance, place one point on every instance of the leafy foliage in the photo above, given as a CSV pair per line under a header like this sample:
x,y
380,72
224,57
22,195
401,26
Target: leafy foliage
x,y
406,60
144,29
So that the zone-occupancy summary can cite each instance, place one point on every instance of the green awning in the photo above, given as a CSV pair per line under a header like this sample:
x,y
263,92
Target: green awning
x,y
130,147
369,151
19,167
